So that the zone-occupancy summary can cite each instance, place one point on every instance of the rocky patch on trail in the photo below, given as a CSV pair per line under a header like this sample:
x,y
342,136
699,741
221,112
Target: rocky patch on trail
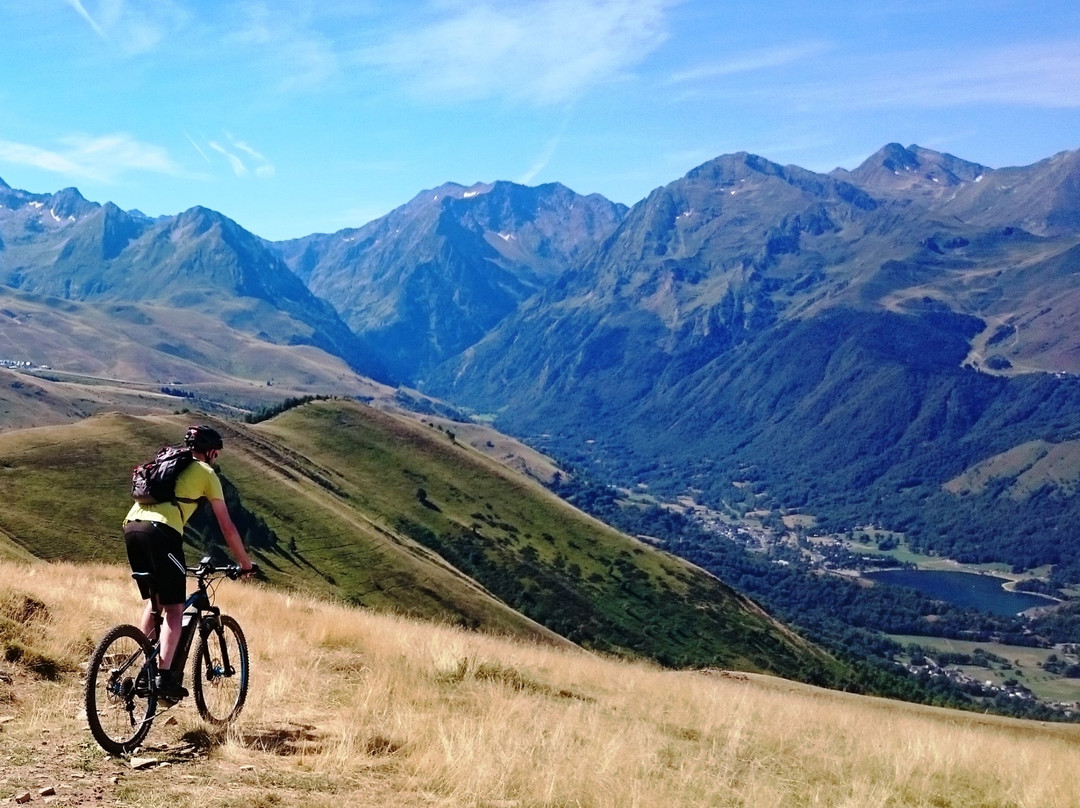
x,y
61,765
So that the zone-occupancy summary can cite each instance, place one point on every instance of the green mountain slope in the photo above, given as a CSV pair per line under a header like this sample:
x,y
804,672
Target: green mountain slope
x,y
384,512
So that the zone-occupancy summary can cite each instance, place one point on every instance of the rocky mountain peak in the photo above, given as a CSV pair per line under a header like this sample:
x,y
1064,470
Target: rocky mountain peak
x,y
912,169
895,158
449,190
729,167
198,221
433,276
69,203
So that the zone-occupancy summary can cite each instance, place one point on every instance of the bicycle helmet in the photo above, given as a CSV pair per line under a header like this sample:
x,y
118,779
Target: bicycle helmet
x,y
203,438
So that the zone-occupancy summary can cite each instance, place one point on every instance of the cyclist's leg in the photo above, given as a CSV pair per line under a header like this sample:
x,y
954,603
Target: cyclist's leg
x,y
171,626
137,540
170,682
148,624
162,549
170,572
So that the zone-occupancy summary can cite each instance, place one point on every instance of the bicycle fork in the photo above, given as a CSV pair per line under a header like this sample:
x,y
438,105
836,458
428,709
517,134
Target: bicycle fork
x,y
211,624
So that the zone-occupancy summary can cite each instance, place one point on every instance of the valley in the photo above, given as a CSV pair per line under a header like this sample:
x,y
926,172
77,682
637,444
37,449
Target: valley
x,y
995,664
825,585
797,354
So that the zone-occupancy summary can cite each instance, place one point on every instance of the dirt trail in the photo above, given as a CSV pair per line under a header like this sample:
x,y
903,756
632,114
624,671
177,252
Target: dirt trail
x,y
47,757
265,758
52,759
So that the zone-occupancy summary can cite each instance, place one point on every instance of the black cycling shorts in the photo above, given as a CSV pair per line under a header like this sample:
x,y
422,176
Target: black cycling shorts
x,y
158,549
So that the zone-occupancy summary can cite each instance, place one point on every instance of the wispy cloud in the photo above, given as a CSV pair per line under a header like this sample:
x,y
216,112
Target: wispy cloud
x,y
547,152
25,154
238,167
262,166
1037,74
547,51
197,147
82,12
541,161
288,44
242,158
132,28
106,158
751,61
1034,74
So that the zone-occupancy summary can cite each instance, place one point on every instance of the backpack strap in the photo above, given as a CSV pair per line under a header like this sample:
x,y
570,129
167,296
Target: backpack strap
x,y
177,500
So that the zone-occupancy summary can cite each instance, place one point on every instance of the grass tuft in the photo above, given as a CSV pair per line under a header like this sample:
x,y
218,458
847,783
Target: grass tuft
x,y
24,625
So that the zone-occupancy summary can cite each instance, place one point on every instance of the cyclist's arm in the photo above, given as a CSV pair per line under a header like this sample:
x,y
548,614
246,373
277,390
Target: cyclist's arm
x,y
232,535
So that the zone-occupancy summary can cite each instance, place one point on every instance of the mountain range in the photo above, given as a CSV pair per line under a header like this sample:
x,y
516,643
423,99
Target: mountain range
x,y
848,344
897,344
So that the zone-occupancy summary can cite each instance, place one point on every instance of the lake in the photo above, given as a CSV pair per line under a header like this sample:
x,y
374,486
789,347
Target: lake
x,y
965,589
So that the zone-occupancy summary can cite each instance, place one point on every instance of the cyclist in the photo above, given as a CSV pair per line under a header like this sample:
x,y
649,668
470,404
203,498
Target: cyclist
x,y
154,538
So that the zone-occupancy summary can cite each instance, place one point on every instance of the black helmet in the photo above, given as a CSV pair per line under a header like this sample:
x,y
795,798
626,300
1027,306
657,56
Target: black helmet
x,y
203,438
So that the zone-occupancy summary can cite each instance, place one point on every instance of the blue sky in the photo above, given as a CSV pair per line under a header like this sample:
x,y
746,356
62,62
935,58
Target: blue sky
x,y
301,116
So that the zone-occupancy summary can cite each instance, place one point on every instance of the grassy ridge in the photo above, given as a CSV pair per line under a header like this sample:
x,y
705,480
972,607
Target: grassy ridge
x,y
139,342
348,501
551,562
67,489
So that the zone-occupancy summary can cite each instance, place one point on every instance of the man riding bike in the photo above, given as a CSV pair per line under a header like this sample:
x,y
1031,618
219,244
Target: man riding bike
x,y
154,538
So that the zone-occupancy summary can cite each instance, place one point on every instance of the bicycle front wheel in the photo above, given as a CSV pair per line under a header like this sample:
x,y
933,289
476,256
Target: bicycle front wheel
x,y
219,672
120,702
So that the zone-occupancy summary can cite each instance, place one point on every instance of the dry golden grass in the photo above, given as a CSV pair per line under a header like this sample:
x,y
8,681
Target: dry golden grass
x,y
359,709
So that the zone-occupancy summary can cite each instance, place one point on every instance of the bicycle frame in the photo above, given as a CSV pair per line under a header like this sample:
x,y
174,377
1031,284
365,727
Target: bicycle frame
x,y
199,613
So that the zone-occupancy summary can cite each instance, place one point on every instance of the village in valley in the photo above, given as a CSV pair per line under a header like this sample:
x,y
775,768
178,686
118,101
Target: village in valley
x,y
985,669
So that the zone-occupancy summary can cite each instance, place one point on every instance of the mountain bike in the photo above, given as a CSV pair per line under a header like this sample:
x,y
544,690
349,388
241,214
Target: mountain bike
x,y
121,691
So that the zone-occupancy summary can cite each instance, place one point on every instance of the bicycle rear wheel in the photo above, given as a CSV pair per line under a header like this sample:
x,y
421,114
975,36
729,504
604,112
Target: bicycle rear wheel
x,y
219,672
120,702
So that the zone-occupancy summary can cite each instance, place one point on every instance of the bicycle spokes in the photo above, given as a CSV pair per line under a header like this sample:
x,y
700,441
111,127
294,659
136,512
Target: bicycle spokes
x,y
220,672
120,702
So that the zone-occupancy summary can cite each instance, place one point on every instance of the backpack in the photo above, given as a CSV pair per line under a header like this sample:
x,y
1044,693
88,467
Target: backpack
x,y
154,481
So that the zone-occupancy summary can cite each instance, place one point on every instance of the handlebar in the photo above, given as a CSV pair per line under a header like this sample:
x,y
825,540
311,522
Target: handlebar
x,y
207,568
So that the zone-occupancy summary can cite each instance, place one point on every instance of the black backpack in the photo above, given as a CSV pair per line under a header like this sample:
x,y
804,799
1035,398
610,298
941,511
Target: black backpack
x,y
154,481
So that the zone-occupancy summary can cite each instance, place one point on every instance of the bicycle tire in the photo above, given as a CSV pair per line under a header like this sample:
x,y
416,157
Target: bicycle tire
x,y
220,693
120,701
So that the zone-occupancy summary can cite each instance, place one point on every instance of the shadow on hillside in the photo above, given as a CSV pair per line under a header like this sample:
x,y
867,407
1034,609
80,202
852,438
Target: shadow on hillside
x,y
298,559
284,739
